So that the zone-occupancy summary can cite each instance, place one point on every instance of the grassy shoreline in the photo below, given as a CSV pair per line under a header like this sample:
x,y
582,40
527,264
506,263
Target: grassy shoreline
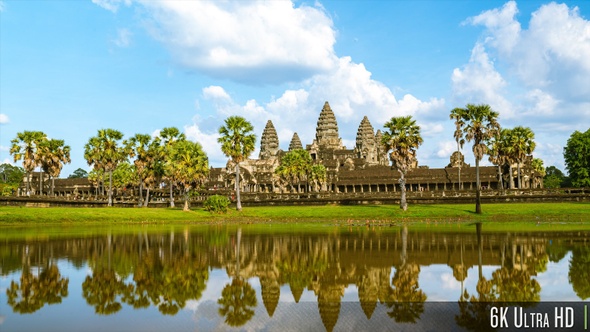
x,y
567,212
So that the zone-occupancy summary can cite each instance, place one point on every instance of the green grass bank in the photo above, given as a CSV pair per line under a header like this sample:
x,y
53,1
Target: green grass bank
x,y
574,213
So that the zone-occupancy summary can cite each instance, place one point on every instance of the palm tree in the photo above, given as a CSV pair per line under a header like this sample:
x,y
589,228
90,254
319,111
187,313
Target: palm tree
x,y
170,136
457,115
479,125
317,176
26,147
55,154
237,142
92,154
294,167
402,138
103,151
155,157
187,164
498,154
522,141
137,147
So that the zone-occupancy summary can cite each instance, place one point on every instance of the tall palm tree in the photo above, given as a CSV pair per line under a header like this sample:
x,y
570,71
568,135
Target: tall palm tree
x,y
26,147
294,167
457,115
55,155
92,154
479,125
237,142
103,151
522,141
401,139
188,164
317,176
137,147
156,163
169,137
498,154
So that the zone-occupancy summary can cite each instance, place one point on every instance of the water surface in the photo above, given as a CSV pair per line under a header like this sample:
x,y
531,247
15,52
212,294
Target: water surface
x,y
312,277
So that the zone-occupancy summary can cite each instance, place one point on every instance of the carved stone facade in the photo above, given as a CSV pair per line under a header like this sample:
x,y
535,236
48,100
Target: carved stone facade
x,y
363,169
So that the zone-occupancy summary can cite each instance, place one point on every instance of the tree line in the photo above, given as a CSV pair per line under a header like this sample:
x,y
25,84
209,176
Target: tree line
x,y
146,162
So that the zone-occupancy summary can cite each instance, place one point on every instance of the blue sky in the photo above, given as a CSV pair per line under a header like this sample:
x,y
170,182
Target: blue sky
x,y
69,68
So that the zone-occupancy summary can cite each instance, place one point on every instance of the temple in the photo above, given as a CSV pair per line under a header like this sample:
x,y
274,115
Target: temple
x,y
363,169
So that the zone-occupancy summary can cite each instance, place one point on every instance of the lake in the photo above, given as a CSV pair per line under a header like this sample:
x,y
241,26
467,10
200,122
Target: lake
x,y
308,277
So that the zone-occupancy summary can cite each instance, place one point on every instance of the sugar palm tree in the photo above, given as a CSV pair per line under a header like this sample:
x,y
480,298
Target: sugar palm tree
x,y
401,139
237,142
92,154
55,154
498,154
104,152
294,167
317,176
522,141
137,147
26,147
188,164
169,137
155,162
457,115
479,125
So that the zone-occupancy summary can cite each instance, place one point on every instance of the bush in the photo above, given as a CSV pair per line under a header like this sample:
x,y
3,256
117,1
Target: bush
x,y
216,204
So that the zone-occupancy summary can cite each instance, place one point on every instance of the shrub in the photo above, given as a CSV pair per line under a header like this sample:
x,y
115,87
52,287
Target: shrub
x,y
216,204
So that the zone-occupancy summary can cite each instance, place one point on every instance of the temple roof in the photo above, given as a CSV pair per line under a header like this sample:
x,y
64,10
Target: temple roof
x,y
327,129
269,143
295,143
365,135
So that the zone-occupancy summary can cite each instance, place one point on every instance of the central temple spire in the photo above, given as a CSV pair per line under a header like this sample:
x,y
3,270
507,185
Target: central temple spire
x,y
327,129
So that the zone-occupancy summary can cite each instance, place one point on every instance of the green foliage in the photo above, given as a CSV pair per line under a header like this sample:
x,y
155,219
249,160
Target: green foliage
x,y
216,204
554,178
577,158
78,174
295,166
11,174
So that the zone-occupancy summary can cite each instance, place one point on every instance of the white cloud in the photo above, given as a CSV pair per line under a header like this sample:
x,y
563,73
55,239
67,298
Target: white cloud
x,y
2,6
446,148
156,133
123,38
4,118
4,148
111,5
215,93
479,82
8,161
539,76
257,42
209,142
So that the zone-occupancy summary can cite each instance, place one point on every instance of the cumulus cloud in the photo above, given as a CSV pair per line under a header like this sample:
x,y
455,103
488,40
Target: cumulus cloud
x,y
258,42
4,118
544,80
111,5
479,82
123,38
446,148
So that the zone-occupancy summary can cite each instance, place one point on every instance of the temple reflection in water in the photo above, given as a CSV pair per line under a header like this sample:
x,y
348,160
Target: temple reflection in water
x,y
171,270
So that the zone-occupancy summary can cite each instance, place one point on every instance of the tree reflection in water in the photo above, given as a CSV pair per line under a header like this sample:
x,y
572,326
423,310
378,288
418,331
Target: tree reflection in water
x,y
407,299
238,298
154,268
237,302
511,284
33,292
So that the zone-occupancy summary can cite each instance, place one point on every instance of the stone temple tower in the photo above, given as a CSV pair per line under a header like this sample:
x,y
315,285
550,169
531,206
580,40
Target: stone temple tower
x,y
269,142
327,130
366,147
295,143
